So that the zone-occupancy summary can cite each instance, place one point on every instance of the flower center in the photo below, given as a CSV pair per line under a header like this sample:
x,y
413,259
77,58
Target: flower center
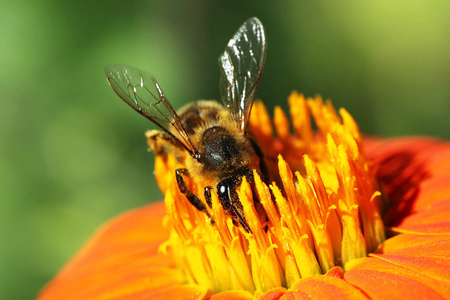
x,y
322,210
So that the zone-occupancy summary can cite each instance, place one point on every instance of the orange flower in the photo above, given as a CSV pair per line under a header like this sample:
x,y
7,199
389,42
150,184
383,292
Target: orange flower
x,y
348,217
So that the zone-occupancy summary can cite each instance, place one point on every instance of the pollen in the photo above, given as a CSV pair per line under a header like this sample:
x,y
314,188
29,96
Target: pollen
x,y
319,211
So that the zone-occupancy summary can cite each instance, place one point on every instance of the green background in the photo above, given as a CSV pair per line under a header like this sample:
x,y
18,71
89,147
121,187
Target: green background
x,y
72,155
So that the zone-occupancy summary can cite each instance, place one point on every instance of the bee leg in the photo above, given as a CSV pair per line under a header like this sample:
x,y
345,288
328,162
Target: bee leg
x,y
208,196
230,200
157,140
193,199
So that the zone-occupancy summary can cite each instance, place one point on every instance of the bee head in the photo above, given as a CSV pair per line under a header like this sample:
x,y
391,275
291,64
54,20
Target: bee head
x,y
223,151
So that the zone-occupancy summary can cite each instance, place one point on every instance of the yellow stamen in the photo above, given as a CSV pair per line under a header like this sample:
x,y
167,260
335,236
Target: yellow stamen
x,y
318,213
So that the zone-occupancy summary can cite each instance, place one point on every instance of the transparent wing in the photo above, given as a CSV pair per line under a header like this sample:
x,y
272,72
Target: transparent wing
x,y
142,92
241,67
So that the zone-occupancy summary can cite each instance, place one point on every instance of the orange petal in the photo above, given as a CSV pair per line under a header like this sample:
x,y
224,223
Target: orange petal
x,y
402,242
336,272
177,292
295,296
433,190
430,256
384,280
238,295
273,294
323,287
122,260
415,173
433,219
416,263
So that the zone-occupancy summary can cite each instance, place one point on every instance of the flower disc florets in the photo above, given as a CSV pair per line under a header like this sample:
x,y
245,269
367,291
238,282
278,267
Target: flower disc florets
x,y
322,212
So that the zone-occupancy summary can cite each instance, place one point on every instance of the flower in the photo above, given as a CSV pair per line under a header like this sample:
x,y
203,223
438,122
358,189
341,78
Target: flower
x,y
345,217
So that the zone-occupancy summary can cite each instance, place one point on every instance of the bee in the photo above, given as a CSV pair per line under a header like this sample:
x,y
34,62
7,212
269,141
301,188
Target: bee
x,y
213,139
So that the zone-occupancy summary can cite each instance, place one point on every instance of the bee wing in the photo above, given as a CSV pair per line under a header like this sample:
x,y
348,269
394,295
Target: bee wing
x,y
241,67
141,91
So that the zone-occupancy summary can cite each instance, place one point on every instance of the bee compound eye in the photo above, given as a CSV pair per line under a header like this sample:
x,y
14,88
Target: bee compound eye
x,y
222,189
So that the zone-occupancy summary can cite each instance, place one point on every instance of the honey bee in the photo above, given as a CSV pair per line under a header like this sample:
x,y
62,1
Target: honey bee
x,y
212,139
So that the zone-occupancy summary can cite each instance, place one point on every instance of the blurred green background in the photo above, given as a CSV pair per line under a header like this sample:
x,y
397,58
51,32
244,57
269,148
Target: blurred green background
x,y
73,155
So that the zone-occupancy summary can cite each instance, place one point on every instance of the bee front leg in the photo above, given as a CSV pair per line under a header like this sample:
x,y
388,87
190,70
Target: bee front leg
x,y
229,199
192,198
208,196
157,140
